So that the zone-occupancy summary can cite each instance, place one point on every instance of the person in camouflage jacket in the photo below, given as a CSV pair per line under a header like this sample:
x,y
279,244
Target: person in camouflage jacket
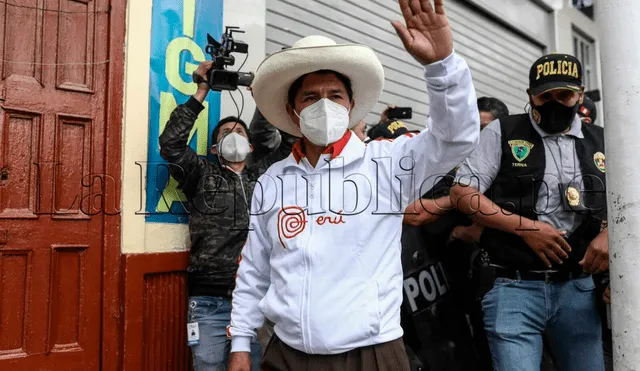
x,y
218,194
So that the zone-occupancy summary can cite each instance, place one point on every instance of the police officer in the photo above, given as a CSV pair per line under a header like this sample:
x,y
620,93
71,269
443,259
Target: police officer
x,y
536,182
588,112
388,129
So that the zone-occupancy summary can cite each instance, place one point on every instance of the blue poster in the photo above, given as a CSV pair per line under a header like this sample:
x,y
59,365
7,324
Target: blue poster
x,y
178,39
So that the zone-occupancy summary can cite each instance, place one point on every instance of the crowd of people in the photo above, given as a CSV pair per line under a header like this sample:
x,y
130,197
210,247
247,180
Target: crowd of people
x,y
317,243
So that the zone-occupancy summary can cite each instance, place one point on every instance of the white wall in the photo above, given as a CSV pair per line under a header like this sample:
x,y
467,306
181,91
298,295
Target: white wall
x,y
528,16
249,15
567,17
138,236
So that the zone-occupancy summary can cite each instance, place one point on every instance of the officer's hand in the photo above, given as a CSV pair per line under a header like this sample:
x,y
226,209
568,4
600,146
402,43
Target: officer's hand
x,y
425,210
546,241
606,295
468,234
596,259
203,87
240,361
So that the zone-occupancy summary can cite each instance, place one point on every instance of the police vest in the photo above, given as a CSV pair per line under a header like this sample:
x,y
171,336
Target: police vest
x,y
515,189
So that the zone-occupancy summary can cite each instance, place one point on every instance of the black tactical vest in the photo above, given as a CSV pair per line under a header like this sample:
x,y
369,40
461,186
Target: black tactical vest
x,y
519,179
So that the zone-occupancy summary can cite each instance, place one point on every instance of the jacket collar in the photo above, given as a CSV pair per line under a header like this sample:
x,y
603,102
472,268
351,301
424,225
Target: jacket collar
x,y
335,149
349,148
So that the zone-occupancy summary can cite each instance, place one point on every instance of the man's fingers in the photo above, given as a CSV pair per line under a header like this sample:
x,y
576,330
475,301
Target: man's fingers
x,y
564,244
592,266
405,9
552,256
603,267
439,6
606,295
426,6
544,259
588,259
403,33
598,263
415,6
205,66
559,251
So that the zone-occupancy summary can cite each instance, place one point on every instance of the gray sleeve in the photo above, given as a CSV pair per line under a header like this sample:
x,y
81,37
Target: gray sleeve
x,y
480,169
265,138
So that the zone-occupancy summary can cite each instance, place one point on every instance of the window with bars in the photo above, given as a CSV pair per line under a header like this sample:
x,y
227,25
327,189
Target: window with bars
x,y
584,50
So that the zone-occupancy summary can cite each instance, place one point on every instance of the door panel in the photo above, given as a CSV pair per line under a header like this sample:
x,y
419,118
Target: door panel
x,y
52,125
20,142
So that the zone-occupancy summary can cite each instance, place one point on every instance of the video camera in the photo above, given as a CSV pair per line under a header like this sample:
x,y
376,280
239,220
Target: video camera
x,y
218,76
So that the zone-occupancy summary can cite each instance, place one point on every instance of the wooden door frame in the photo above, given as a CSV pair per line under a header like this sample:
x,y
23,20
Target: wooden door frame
x,y
111,326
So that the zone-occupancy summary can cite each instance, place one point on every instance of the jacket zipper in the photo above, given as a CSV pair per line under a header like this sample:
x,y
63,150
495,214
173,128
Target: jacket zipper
x,y
304,299
306,294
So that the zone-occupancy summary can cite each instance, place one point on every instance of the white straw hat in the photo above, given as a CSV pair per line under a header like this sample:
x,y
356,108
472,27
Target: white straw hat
x,y
280,70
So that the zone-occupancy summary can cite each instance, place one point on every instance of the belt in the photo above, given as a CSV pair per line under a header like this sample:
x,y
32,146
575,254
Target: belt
x,y
548,276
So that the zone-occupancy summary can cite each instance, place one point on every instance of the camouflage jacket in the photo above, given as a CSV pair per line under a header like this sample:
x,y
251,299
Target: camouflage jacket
x,y
218,200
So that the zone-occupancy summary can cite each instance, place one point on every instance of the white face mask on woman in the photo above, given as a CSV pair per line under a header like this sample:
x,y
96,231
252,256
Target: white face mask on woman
x,y
324,122
233,147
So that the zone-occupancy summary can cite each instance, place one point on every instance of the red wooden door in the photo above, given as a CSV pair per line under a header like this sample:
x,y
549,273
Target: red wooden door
x,y
52,121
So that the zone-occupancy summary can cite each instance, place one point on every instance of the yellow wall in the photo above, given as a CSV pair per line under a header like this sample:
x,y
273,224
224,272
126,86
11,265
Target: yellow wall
x,y
138,236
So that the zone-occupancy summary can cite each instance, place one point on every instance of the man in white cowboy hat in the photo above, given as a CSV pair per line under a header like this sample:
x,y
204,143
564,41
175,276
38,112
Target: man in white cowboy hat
x,y
322,260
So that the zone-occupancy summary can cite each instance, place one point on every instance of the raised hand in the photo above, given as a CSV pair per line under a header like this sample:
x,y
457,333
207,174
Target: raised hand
x,y
203,87
427,34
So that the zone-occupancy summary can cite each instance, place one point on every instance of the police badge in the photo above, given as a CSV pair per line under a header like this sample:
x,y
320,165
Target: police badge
x,y
570,197
573,196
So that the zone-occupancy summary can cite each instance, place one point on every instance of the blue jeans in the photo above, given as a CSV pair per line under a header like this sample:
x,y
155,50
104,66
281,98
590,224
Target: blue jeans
x,y
213,314
517,313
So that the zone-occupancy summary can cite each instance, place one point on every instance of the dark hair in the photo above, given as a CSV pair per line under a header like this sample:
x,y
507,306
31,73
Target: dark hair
x,y
226,120
493,106
374,132
295,87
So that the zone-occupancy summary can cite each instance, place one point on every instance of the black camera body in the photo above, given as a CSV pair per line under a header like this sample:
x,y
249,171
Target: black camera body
x,y
218,77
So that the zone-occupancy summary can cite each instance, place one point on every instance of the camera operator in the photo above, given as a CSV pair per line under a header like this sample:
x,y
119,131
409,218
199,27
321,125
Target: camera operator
x,y
218,194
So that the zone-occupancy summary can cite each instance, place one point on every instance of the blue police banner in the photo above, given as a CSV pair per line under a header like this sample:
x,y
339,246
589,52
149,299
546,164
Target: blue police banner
x,y
178,39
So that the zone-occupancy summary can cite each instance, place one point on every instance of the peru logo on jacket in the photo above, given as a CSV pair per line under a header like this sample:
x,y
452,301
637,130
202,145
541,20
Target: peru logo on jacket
x,y
292,221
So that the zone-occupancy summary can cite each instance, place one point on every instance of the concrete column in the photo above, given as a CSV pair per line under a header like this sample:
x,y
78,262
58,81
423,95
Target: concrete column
x,y
619,25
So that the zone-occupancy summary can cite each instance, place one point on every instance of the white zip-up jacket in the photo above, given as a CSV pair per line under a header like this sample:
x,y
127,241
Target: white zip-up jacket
x,y
323,258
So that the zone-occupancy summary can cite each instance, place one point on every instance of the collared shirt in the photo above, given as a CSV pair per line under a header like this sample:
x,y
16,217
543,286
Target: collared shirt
x,y
561,167
323,258
332,151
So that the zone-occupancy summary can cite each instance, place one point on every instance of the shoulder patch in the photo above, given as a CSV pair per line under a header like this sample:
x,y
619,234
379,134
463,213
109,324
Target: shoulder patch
x,y
599,160
520,149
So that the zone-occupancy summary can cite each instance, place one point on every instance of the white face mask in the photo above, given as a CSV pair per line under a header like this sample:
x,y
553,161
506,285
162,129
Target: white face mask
x,y
234,147
324,122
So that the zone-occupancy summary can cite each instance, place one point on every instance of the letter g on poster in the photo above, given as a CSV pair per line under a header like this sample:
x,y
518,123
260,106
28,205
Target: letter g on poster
x,y
178,37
